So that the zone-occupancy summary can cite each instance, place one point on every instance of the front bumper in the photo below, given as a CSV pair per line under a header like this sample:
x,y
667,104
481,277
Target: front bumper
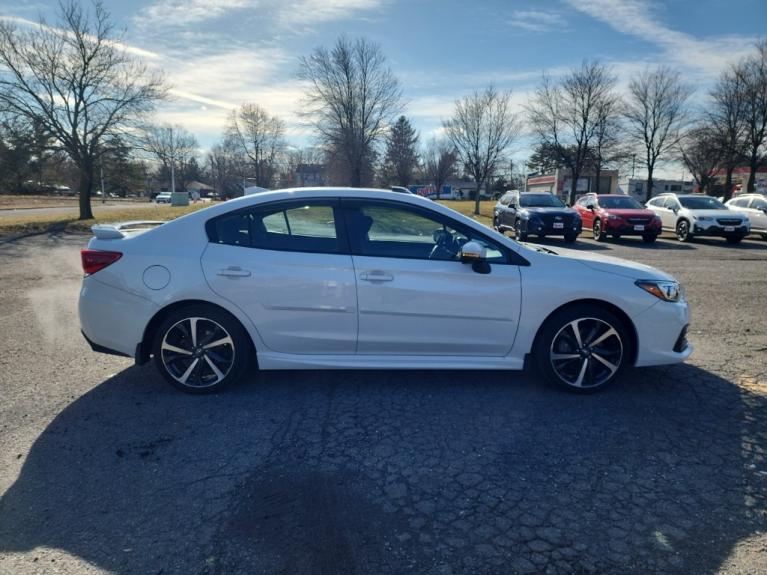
x,y
547,227
625,228
703,228
662,334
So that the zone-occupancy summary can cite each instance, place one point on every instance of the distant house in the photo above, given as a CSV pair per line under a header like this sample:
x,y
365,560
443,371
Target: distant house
x,y
204,190
309,175
559,183
638,187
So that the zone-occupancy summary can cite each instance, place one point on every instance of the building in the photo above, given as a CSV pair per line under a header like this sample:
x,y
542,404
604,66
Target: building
x,y
637,188
204,190
740,180
559,182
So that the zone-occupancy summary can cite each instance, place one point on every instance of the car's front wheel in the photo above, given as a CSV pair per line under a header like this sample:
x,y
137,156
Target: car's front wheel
x,y
734,239
200,349
649,239
683,233
518,233
598,232
582,348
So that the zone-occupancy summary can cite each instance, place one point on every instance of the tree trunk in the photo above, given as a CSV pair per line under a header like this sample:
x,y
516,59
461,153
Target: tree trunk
x,y
728,183
86,185
648,195
753,164
476,199
597,173
573,188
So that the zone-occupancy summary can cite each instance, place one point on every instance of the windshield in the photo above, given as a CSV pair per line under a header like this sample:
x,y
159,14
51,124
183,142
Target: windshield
x,y
613,203
540,201
701,203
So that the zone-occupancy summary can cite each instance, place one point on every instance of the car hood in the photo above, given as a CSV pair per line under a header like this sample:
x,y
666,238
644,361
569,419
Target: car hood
x,y
715,213
629,212
609,264
550,211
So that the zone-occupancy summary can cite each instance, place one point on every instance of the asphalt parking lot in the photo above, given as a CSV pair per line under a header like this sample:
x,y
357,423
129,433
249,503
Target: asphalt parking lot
x,y
104,468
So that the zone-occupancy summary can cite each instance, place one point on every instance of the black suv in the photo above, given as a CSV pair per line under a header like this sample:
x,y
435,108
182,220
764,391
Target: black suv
x,y
536,213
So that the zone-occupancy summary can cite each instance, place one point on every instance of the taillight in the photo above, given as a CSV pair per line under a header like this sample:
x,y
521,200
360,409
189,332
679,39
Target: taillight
x,y
95,260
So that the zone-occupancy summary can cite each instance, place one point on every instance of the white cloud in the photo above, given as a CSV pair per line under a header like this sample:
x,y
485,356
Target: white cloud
x,y
180,13
638,18
127,48
537,21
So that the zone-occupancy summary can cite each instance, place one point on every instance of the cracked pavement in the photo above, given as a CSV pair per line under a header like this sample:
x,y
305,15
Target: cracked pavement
x,y
104,468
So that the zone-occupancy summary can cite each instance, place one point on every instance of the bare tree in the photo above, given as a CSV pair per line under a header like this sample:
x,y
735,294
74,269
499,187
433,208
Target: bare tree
x,y
172,146
351,97
566,116
261,137
754,74
656,115
727,118
225,167
608,146
700,155
439,160
482,129
76,81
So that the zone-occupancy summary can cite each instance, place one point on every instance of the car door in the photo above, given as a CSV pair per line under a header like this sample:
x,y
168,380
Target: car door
x,y
414,295
587,215
287,267
757,215
668,213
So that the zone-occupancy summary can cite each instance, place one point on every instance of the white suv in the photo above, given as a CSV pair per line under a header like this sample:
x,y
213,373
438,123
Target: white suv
x,y
690,215
754,207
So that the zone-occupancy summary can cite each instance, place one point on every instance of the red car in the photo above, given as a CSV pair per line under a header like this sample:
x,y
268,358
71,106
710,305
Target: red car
x,y
617,215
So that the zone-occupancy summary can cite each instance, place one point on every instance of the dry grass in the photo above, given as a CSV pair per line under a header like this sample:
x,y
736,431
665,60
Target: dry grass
x,y
466,207
14,201
26,224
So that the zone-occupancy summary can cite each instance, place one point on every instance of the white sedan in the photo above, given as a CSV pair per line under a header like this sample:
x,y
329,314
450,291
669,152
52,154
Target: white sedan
x,y
331,278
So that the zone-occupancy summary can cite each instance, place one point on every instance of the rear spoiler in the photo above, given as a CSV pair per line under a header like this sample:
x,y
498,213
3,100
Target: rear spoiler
x,y
117,231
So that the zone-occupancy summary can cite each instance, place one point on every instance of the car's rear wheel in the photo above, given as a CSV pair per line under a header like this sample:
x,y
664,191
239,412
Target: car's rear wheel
x,y
582,348
683,233
200,349
598,231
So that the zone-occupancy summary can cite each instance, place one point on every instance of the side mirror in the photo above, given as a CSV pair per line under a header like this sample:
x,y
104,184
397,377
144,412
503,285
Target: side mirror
x,y
472,252
590,207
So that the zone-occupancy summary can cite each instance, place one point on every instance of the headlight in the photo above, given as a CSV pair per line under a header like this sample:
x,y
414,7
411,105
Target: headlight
x,y
662,289
613,217
702,218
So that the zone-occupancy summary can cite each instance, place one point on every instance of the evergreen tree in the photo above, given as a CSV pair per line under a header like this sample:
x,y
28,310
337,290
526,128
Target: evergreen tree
x,y
401,158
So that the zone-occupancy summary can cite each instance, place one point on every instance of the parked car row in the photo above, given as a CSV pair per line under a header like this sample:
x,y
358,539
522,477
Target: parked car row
x,y
615,215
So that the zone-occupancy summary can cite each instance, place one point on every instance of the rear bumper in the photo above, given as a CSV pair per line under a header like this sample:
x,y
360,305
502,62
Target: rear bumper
x,y
113,320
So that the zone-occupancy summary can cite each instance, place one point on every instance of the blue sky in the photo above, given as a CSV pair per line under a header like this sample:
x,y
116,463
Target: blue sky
x,y
218,54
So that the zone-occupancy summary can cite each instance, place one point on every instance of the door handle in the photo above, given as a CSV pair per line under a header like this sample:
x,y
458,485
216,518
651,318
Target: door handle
x,y
234,272
376,276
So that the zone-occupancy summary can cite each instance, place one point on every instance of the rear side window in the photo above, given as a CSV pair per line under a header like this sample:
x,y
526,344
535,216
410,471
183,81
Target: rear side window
x,y
307,227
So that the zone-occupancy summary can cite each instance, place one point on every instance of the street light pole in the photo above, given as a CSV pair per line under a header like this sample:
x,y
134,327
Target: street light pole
x,y
101,174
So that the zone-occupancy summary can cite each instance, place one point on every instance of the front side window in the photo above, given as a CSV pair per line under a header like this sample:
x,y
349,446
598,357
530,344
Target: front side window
x,y
379,230
307,227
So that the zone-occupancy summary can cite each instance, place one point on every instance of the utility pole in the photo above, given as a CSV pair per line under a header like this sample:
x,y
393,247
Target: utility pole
x,y
633,164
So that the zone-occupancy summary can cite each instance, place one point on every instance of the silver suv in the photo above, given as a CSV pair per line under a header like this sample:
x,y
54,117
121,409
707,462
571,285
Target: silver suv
x,y
690,215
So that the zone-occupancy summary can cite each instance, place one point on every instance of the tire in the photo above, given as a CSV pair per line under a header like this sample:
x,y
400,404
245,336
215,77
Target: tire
x,y
734,239
495,222
649,239
683,233
570,238
200,349
522,237
598,231
582,368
